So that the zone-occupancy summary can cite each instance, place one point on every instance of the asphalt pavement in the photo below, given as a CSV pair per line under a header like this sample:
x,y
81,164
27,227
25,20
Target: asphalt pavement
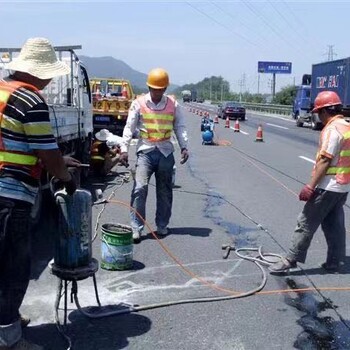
x,y
244,194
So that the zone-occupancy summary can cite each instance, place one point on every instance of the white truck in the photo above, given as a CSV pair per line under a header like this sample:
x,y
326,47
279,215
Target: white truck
x,y
70,107
186,95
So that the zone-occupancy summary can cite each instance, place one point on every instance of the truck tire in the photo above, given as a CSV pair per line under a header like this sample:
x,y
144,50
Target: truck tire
x,y
315,125
298,121
85,156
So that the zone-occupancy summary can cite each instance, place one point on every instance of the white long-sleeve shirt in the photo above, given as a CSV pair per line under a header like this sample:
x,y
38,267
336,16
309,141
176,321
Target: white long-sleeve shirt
x,y
133,124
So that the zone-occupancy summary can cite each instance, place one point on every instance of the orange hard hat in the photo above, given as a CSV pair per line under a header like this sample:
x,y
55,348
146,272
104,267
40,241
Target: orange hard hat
x,y
326,99
158,78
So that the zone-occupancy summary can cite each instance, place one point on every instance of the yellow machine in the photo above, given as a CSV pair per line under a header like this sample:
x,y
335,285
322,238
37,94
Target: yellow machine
x,y
111,101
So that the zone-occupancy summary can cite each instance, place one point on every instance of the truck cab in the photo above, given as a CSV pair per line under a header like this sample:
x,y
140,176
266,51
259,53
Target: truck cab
x,y
301,104
302,107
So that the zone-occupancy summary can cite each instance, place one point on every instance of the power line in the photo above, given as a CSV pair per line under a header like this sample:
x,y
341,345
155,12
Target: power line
x,y
300,24
266,22
232,17
219,23
290,24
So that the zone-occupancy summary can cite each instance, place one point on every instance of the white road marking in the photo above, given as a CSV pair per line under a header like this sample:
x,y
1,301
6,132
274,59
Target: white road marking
x,y
274,116
243,132
277,126
307,159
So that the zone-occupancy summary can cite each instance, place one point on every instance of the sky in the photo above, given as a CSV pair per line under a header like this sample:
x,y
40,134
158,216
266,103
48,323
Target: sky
x,y
191,39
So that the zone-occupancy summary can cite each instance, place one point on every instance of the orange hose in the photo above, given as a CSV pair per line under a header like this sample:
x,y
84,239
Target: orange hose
x,y
213,285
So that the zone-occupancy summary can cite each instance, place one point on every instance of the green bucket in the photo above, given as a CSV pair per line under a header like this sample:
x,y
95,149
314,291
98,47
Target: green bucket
x,y
116,247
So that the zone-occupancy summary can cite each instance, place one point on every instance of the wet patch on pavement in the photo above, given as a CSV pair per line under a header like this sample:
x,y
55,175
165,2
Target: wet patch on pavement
x,y
318,332
238,233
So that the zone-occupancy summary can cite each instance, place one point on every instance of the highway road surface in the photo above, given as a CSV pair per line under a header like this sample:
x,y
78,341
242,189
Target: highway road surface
x,y
239,192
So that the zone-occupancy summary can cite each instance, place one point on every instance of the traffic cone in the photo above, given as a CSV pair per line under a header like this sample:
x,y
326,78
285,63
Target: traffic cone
x,y
125,91
236,127
216,119
259,134
227,122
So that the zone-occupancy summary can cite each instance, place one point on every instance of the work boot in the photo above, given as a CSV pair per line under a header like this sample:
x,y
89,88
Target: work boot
x,y
24,321
22,344
331,267
162,232
282,266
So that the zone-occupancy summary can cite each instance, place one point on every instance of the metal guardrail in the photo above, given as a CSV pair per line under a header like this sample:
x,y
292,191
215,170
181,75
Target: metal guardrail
x,y
268,108
258,107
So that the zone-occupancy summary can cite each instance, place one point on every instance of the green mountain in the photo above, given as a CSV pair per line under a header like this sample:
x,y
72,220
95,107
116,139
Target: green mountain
x,y
109,67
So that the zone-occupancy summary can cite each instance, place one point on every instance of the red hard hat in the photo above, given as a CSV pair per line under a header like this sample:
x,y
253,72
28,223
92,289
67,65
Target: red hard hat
x,y
326,99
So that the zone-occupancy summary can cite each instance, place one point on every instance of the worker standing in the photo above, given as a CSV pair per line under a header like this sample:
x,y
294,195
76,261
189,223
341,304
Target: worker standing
x,y
155,116
26,145
327,191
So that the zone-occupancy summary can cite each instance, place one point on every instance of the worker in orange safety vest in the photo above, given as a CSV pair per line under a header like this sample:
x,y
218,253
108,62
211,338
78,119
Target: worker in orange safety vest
x,y
155,116
326,192
27,144
103,157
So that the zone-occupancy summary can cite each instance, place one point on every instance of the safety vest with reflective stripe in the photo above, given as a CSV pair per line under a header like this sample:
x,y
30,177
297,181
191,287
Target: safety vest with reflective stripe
x,y
95,155
9,157
157,125
342,169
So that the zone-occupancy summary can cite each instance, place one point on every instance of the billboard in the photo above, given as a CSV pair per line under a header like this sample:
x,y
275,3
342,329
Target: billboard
x,y
275,67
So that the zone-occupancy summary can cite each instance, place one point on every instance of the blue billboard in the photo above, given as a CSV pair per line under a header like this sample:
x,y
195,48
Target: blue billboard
x,y
275,67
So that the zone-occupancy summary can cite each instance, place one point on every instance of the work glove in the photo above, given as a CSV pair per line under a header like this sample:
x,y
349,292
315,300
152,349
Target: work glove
x,y
306,193
184,156
70,186
124,159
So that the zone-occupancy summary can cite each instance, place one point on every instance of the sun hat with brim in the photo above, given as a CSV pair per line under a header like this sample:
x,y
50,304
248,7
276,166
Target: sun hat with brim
x,y
38,58
103,134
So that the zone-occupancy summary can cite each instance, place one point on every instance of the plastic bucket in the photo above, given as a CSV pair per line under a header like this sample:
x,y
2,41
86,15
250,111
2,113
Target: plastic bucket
x,y
116,247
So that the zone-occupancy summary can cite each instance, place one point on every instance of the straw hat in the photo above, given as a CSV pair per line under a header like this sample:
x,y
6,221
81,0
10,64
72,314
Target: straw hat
x,y
103,134
38,58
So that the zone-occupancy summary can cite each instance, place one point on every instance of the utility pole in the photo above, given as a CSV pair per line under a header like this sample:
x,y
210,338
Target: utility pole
x,y
222,90
241,84
269,85
273,85
210,90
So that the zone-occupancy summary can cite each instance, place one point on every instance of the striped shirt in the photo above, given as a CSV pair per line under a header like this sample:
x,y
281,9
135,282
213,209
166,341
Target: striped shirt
x,y
25,127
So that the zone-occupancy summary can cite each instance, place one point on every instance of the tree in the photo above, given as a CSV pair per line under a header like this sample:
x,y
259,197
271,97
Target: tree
x,y
286,96
211,88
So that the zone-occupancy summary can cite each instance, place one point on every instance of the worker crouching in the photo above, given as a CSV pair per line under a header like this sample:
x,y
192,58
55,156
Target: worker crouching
x,y
105,152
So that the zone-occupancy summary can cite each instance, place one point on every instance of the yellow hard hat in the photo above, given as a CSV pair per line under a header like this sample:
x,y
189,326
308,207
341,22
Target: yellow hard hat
x,y
158,78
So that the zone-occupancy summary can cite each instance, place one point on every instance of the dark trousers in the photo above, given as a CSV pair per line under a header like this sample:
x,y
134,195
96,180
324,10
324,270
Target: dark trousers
x,y
152,162
15,257
325,208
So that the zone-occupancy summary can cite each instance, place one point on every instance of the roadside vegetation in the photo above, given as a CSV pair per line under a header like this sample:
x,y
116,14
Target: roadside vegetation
x,y
217,89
